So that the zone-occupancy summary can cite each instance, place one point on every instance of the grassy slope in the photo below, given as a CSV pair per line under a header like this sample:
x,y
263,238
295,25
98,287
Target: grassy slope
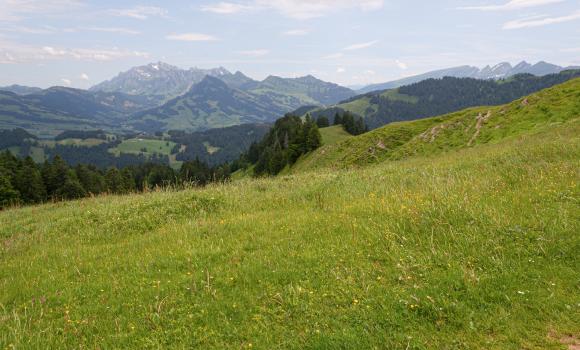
x,y
361,105
473,249
74,142
451,132
134,146
358,106
333,134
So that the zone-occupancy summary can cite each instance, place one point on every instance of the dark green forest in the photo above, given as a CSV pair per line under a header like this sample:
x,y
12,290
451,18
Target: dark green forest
x,y
440,96
352,124
229,142
433,97
289,138
24,182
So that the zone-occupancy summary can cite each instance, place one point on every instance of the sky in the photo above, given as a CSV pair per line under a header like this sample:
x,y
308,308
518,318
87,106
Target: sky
x,y
80,43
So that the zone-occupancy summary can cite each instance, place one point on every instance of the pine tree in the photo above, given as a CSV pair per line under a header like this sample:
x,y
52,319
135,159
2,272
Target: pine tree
x,y
29,182
71,188
195,172
128,181
54,175
359,127
314,138
10,164
322,122
305,134
8,195
277,161
113,180
348,123
337,119
91,179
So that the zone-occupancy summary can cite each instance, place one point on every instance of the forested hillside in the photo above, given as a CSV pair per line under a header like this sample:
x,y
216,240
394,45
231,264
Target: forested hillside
x,y
439,96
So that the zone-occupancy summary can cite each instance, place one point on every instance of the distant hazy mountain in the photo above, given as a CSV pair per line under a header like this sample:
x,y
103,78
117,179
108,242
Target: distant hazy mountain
x,y
20,90
48,112
173,98
499,71
309,90
209,104
162,81
157,79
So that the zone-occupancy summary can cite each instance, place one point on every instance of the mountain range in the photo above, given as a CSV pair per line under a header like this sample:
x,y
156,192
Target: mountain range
x,y
207,105
51,111
166,82
499,71
439,96
161,97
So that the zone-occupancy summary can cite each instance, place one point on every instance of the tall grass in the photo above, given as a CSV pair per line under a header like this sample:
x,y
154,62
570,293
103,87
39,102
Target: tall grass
x,y
476,249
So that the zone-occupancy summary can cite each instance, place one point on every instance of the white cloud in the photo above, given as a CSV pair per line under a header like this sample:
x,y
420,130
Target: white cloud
x,y
361,46
29,30
66,82
296,32
98,55
512,5
340,70
254,53
369,72
191,37
297,9
140,12
7,58
308,9
115,30
16,53
571,49
226,8
333,56
401,65
85,77
17,10
539,21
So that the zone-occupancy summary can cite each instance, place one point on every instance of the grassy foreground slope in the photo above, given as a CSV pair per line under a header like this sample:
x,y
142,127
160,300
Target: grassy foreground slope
x,y
476,249
333,134
468,128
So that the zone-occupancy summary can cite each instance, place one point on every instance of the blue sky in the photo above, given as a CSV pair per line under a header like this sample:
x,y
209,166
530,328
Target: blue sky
x,y
352,42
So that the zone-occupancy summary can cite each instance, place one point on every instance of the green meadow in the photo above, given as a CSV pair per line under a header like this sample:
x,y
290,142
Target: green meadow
x,y
427,243
145,146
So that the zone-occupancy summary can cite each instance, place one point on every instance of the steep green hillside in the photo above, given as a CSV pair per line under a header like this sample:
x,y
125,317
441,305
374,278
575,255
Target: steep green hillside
x,y
209,104
333,134
303,91
557,105
475,249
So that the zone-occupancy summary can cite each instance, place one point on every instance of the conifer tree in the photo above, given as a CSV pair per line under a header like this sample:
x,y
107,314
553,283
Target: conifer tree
x,y
29,182
128,181
71,188
113,180
8,195
322,122
314,138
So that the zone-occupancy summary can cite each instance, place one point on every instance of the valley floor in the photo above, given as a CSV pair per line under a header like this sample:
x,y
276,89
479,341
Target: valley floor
x,y
475,249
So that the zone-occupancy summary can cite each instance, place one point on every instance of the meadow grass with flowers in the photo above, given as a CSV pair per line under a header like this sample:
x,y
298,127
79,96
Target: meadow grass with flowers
x,y
471,249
